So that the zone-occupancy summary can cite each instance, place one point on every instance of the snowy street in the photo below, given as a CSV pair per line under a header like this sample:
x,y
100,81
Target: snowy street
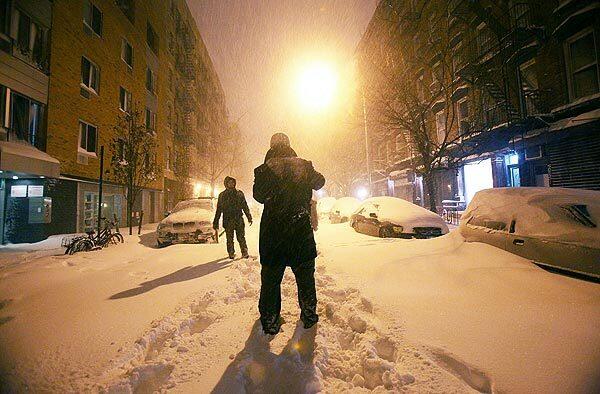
x,y
434,315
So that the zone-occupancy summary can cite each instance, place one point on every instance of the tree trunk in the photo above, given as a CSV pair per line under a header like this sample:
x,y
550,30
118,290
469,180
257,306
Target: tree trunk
x,y
430,182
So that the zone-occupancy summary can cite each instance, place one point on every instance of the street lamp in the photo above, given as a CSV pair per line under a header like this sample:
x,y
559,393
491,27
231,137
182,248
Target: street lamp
x,y
368,155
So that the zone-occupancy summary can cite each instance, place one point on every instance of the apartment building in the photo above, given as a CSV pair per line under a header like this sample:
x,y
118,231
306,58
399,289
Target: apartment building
x,y
523,87
107,57
25,206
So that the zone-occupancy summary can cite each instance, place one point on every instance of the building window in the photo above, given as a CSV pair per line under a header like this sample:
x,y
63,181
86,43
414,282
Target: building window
x,y
399,143
88,137
5,17
25,119
120,149
31,40
150,120
582,64
440,126
529,87
463,116
519,13
124,99
90,75
152,38
150,82
485,39
127,53
128,8
92,17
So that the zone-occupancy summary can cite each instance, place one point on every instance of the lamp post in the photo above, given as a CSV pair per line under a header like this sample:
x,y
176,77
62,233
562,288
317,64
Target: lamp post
x,y
368,155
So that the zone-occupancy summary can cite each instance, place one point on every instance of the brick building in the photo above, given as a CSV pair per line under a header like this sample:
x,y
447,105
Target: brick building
x,y
106,57
523,87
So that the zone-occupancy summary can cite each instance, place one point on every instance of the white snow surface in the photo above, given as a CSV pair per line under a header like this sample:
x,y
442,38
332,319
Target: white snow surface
x,y
538,212
436,315
191,214
325,204
402,212
346,206
196,210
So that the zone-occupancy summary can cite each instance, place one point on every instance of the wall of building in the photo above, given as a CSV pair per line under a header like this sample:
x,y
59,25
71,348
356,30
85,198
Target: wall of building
x,y
521,32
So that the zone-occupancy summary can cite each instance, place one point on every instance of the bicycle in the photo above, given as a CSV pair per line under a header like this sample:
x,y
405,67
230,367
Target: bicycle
x,y
90,241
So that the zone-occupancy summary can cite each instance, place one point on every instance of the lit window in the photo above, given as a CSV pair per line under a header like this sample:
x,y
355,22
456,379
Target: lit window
x,y
88,135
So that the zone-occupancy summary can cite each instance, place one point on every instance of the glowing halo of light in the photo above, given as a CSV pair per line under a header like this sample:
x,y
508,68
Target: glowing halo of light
x,y
316,85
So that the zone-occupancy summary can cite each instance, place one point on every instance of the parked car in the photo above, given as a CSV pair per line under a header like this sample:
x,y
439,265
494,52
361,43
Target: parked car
x,y
343,209
324,206
391,217
551,226
189,222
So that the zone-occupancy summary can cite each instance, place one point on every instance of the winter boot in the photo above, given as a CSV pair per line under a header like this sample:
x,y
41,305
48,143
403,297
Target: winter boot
x,y
232,256
245,255
271,326
309,317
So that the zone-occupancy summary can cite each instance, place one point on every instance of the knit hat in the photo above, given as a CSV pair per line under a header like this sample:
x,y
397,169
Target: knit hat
x,y
280,139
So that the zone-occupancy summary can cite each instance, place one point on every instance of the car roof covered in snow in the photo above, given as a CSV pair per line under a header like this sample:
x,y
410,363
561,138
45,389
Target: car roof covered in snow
x,y
195,210
404,213
325,204
346,205
566,215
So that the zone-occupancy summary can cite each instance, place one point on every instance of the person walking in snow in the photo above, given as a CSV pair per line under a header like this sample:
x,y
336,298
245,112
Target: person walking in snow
x,y
232,204
284,185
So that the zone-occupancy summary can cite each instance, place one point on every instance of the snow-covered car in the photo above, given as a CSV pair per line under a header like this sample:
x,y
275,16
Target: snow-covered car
x,y
324,206
189,222
343,209
391,217
551,226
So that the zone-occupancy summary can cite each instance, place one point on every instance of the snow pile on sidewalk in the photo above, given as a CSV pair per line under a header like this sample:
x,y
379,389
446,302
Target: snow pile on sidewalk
x,y
350,349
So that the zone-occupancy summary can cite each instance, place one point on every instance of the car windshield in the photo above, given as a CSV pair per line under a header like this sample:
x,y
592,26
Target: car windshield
x,y
200,204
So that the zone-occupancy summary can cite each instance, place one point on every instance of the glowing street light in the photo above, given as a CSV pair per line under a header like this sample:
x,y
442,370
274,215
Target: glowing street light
x,y
316,85
362,193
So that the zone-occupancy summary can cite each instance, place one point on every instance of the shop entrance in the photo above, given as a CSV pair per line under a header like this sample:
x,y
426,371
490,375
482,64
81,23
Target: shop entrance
x,y
477,175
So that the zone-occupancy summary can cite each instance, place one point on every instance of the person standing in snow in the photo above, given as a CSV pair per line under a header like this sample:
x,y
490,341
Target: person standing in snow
x,y
284,185
231,204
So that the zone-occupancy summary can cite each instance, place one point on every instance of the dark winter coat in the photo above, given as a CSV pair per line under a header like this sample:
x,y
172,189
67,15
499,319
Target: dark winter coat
x,y
231,204
284,184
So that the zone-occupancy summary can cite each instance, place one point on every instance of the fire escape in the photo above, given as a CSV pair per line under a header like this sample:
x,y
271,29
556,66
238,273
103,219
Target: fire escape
x,y
185,64
499,42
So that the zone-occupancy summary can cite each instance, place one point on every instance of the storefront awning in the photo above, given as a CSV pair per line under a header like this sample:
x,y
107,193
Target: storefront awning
x,y
22,158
